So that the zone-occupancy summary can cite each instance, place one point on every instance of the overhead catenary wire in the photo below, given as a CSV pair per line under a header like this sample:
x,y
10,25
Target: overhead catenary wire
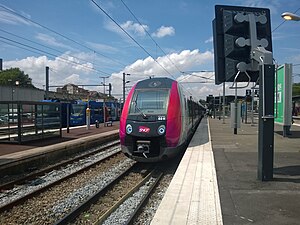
x,y
38,53
53,55
156,44
132,38
53,49
28,48
61,35
64,36
192,73
15,45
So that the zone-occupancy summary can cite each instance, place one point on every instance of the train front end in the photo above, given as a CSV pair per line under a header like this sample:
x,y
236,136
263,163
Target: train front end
x,y
150,125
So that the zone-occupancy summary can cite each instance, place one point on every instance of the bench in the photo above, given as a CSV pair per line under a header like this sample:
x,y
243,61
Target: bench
x,y
109,122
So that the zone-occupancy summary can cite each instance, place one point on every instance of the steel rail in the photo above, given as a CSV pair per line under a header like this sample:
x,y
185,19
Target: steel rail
x,y
85,205
144,200
34,175
130,193
22,199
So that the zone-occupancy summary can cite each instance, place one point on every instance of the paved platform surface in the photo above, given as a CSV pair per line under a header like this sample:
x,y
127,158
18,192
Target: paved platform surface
x,y
74,133
244,199
15,158
193,196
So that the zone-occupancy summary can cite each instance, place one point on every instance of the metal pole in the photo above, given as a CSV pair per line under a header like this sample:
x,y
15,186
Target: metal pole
x,y
109,89
236,111
19,122
219,107
266,123
252,106
214,107
104,113
68,118
123,91
223,102
47,82
246,109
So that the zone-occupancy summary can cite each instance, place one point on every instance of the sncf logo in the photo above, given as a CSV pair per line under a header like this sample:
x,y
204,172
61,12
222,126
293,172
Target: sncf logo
x,y
143,129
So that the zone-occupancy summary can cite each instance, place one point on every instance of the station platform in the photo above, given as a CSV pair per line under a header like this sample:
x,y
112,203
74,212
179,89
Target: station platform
x,y
14,156
216,181
74,133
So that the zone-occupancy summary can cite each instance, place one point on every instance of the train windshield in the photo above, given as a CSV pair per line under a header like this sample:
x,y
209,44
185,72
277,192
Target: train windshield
x,y
149,101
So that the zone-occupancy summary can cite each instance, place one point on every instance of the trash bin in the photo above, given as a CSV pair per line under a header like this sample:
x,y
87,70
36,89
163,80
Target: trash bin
x,y
97,123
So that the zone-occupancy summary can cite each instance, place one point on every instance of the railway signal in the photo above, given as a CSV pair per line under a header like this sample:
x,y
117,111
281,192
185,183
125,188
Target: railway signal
x,y
237,32
243,53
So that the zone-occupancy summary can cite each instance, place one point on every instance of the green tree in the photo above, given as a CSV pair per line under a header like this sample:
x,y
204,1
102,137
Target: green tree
x,y
10,76
296,89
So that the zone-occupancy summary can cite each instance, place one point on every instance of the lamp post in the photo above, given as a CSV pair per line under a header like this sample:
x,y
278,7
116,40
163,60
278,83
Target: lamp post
x,y
17,83
290,16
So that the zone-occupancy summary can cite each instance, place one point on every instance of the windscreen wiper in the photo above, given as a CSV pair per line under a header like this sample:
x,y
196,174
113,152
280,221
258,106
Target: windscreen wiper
x,y
142,113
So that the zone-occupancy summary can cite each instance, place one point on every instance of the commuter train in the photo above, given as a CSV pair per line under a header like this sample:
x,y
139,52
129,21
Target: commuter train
x,y
157,120
76,114
98,110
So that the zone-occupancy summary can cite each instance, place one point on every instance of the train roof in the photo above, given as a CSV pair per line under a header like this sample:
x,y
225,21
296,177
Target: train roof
x,y
158,82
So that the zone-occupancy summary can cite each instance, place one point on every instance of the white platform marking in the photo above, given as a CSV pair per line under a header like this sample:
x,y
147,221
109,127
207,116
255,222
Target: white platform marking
x,y
193,195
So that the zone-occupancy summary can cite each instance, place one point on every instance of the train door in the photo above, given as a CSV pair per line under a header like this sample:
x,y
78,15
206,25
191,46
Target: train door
x,y
96,111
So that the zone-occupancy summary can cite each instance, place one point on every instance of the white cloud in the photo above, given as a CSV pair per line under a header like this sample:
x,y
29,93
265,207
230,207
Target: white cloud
x,y
129,26
164,31
47,39
210,40
185,60
102,47
135,28
74,79
7,16
62,73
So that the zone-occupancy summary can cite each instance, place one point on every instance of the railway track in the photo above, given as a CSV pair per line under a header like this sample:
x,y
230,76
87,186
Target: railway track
x,y
125,195
128,207
113,189
32,185
21,179
54,203
127,199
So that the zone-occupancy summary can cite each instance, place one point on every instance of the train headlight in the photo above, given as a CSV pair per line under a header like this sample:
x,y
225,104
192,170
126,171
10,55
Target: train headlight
x,y
161,129
128,129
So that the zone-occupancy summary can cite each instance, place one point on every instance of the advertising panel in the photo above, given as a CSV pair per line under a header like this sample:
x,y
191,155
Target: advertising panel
x,y
283,97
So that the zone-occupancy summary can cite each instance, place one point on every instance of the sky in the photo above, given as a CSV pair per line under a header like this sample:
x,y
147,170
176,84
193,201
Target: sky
x,y
91,42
